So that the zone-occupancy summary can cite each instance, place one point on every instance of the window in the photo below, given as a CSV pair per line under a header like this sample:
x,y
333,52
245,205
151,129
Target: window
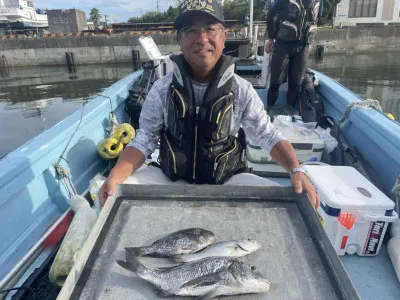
x,y
362,8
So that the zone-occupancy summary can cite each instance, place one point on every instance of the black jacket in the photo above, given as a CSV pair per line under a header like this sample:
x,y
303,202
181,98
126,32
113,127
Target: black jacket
x,y
299,15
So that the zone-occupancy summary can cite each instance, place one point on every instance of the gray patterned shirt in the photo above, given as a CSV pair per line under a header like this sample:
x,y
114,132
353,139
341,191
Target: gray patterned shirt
x,y
249,114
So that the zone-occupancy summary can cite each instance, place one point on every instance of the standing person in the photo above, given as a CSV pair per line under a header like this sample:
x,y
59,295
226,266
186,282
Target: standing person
x,y
246,25
197,110
291,27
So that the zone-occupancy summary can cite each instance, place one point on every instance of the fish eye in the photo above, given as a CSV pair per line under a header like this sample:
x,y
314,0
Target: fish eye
x,y
253,268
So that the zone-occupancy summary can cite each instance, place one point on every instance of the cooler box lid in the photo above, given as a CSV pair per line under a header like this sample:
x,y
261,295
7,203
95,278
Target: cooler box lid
x,y
300,134
342,187
309,144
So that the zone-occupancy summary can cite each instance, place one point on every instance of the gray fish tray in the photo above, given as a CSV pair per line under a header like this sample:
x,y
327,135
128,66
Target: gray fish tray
x,y
296,255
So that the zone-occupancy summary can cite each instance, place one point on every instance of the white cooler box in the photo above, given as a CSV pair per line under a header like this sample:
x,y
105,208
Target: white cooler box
x,y
308,148
343,190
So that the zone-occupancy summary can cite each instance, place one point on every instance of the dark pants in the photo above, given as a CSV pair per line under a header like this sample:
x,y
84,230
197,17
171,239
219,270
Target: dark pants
x,y
288,59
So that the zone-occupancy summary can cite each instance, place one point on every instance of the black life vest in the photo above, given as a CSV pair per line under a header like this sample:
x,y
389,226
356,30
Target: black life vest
x,y
196,144
298,21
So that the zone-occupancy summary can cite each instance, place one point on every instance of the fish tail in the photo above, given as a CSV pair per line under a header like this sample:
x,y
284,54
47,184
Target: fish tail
x,y
132,263
125,265
179,258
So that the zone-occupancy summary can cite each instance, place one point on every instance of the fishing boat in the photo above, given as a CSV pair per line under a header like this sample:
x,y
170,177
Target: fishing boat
x,y
21,15
38,179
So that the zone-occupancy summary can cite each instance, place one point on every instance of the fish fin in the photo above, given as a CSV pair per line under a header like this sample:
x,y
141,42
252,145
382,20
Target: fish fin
x,y
209,281
154,254
164,293
178,258
240,247
163,269
134,264
136,251
210,295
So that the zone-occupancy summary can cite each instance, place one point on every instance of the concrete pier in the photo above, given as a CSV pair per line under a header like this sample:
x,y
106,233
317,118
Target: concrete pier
x,y
118,48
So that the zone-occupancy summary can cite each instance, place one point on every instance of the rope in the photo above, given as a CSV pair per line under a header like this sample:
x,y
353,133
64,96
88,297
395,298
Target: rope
x,y
111,109
113,123
396,194
113,118
369,103
61,172
70,139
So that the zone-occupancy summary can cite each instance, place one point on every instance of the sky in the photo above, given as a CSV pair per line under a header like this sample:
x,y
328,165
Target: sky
x,y
116,10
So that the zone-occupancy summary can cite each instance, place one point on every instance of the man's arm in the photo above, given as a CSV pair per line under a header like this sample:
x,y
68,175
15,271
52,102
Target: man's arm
x,y
128,162
259,129
285,155
151,122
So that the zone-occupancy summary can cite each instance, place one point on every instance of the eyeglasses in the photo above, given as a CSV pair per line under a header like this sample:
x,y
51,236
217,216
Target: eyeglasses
x,y
194,31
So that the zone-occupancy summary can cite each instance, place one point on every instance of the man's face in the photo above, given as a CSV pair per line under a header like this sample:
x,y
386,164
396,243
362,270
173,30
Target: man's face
x,y
202,48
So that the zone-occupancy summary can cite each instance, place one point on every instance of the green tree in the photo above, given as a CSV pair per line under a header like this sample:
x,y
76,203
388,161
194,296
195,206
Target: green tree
x,y
239,9
157,17
95,16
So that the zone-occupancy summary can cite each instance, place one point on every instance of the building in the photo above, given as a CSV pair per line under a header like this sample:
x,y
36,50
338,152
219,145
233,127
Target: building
x,y
371,12
66,20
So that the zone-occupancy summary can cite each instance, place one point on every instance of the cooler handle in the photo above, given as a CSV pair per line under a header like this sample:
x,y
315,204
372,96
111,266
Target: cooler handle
x,y
391,218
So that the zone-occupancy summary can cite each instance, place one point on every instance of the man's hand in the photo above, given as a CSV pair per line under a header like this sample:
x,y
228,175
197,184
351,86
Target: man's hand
x,y
106,190
129,161
269,46
302,184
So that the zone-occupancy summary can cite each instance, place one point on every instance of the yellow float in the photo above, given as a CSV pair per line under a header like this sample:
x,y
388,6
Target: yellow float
x,y
110,148
124,132
390,116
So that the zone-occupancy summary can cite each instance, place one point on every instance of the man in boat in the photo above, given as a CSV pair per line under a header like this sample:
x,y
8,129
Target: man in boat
x,y
196,112
291,27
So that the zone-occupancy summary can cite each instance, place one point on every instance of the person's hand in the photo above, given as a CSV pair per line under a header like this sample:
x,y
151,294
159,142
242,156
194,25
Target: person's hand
x,y
269,46
302,184
106,190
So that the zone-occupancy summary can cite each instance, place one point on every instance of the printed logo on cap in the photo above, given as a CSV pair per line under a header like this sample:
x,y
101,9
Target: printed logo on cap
x,y
204,5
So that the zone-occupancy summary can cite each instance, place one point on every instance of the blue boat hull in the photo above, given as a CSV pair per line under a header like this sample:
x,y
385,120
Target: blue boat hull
x,y
376,136
32,194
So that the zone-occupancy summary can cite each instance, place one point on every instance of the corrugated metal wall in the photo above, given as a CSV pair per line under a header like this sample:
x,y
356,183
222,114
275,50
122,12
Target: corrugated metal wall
x,y
363,8
387,11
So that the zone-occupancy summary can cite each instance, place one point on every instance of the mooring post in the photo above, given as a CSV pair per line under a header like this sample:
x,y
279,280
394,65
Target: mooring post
x,y
135,57
3,66
70,61
320,52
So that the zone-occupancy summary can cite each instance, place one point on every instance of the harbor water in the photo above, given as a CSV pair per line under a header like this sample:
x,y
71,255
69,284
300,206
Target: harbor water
x,y
33,99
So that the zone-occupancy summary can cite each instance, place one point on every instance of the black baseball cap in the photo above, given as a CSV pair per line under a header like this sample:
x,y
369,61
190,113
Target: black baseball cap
x,y
190,8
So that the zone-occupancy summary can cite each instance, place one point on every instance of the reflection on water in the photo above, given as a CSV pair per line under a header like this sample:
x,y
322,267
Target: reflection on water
x,y
33,99
375,76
